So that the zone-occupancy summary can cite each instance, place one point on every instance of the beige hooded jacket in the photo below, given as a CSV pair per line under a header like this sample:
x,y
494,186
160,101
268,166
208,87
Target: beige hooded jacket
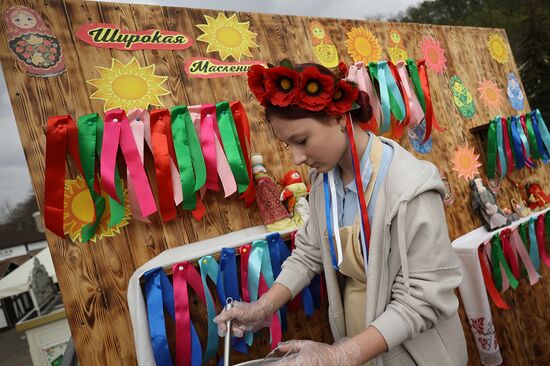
x,y
412,269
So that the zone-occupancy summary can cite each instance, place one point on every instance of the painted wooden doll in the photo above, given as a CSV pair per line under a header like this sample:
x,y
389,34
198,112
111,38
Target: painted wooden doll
x,y
33,43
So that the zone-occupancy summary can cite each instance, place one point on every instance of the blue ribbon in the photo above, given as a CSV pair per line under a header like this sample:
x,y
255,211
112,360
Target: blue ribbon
x,y
500,146
516,143
543,129
209,268
524,140
160,295
533,244
278,253
384,97
228,286
330,231
540,143
315,288
259,262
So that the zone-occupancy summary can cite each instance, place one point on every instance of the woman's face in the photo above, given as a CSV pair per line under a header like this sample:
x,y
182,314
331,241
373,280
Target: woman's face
x,y
319,143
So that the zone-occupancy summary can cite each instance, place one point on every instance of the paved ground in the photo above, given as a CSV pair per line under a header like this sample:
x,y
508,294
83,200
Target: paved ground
x,y
14,348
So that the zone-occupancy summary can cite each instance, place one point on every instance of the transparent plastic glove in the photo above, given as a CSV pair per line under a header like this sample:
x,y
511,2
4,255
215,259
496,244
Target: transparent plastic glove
x,y
246,317
308,353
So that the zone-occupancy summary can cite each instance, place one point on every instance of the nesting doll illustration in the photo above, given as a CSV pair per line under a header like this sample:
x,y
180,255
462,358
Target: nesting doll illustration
x,y
324,48
462,97
515,95
33,43
396,51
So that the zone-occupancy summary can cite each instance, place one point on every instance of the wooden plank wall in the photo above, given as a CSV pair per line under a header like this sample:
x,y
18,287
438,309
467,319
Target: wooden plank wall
x,y
93,277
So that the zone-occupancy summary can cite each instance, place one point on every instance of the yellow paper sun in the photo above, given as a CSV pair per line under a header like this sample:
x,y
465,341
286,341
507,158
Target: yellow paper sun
x,y
465,162
227,36
497,48
78,211
490,94
128,86
363,45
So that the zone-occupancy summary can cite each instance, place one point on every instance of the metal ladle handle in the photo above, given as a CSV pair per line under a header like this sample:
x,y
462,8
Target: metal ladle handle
x,y
227,339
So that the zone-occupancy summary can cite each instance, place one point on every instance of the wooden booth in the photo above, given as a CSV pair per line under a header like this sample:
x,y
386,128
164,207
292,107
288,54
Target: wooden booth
x,y
61,57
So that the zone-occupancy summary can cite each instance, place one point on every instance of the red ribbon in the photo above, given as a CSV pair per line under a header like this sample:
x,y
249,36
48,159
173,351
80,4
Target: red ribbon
x,y
493,292
430,116
399,127
243,130
200,208
509,253
541,239
245,254
275,326
160,141
358,181
509,155
61,135
184,273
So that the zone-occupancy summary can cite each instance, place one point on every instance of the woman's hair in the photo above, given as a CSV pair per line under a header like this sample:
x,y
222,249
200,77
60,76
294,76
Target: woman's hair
x,y
362,114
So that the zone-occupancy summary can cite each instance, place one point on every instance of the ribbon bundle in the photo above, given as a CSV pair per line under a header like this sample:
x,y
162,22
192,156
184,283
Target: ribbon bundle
x,y
398,92
260,264
513,252
515,142
191,146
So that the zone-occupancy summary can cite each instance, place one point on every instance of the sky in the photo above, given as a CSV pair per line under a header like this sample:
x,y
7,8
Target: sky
x,y
15,184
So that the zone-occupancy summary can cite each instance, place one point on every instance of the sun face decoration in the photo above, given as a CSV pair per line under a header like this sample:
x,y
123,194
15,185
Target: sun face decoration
x,y
78,211
433,54
363,45
497,48
465,162
490,94
227,36
128,86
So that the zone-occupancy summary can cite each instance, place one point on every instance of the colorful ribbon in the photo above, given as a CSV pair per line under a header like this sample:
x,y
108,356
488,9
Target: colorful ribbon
x,y
61,135
364,82
431,120
209,269
543,129
499,263
502,164
507,146
540,143
491,149
243,131
519,247
489,284
533,245
541,240
519,155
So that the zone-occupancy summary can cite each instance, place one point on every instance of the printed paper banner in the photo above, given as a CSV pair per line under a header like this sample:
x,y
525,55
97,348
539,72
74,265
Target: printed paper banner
x,y
515,95
104,35
204,67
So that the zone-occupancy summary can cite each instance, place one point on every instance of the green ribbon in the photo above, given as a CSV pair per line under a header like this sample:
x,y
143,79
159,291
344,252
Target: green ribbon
x,y
491,149
90,137
532,138
522,228
189,155
497,258
232,146
413,72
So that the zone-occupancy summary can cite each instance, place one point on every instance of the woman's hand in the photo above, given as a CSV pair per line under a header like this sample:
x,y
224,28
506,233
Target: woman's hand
x,y
308,353
246,317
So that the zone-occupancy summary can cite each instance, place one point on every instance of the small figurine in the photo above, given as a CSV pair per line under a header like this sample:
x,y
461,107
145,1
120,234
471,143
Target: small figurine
x,y
294,196
485,205
536,197
520,208
273,212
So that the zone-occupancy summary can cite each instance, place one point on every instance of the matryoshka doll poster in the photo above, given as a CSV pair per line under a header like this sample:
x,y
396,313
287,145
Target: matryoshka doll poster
x,y
33,43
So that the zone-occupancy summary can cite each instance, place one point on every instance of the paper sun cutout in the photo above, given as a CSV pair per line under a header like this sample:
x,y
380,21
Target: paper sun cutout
x,y
497,48
128,86
227,36
490,94
433,54
465,162
363,45
78,211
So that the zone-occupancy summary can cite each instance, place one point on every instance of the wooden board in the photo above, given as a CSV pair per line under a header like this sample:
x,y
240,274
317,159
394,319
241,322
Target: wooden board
x,y
93,277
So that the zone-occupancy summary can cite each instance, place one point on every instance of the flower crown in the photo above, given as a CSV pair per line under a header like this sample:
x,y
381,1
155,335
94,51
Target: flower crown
x,y
309,89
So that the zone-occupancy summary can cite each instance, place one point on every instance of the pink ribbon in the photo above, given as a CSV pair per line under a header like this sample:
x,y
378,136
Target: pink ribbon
x,y
414,105
541,240
208,144
519,248
117,132
363,80
275,326
138,130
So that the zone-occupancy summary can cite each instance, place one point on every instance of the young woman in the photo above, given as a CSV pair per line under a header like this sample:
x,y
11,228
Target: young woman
x,y
389,266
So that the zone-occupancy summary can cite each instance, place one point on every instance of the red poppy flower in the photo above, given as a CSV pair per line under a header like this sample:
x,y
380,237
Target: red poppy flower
x,y
315,90
280,83
256,77
343,97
